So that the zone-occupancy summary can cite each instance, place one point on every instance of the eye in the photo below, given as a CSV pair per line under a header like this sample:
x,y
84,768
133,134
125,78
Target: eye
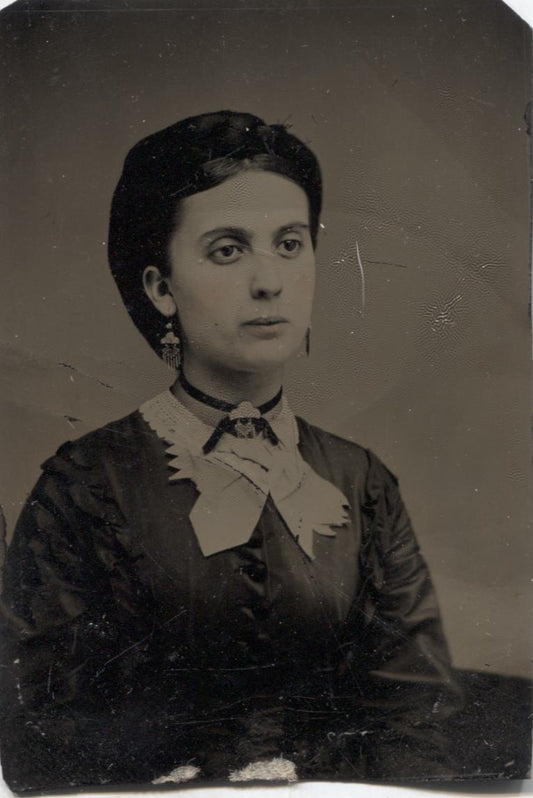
x,y
226,253
290,247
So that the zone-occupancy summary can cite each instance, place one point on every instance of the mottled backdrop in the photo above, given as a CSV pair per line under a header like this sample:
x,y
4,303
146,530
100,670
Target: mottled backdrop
x,y
420,341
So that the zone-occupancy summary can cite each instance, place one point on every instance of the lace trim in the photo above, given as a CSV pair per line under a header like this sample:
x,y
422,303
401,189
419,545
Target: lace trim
x,y
235,479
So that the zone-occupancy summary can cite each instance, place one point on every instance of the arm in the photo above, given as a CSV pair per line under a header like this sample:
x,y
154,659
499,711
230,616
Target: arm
x,y
407,689
60,629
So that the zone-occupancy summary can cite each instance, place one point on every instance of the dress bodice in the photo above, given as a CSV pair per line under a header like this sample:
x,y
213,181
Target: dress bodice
x,y
114,616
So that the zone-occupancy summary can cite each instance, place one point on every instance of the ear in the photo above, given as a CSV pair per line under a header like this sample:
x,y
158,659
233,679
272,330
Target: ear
x,y
158,292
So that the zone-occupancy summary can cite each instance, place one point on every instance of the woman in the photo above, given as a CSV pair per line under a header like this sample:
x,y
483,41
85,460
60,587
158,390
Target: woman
x,y
211,587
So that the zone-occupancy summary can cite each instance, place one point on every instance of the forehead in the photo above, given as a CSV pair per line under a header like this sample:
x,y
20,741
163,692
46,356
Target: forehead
x,y
248,199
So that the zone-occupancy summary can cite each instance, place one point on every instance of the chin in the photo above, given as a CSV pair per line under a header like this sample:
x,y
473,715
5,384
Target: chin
x,y
262,362
259,366
261,357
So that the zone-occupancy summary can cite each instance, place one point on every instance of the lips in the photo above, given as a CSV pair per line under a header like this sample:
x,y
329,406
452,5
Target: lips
x,y
265,321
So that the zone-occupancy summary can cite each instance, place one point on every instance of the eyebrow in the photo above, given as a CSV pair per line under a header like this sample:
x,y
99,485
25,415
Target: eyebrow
x,y
242,234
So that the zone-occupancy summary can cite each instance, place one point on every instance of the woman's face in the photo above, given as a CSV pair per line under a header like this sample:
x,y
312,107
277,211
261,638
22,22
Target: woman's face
x,y
242,274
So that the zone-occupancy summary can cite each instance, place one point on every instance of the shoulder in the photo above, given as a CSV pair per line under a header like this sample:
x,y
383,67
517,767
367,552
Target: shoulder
x,y
329,444
87,475
113,443
344,459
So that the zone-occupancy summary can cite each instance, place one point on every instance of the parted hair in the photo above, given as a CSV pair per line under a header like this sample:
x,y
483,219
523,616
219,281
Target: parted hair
x,y
191,156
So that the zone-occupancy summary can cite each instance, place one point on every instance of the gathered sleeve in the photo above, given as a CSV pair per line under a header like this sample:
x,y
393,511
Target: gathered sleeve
x,y
64,615
397,666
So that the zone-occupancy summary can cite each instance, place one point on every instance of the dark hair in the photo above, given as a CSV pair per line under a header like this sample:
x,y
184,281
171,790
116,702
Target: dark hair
x,y
193,155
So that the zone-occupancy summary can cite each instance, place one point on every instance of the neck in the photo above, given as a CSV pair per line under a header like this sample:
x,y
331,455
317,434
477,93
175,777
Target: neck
x,y
232,388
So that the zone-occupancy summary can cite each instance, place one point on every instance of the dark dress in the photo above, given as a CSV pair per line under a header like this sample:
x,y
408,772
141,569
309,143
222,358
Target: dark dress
x,y
126,652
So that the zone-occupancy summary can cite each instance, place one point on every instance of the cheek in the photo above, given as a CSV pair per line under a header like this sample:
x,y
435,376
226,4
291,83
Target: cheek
x,y
207,304
303,286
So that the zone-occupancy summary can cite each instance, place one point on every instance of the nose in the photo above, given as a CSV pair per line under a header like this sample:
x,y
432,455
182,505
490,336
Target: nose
x,y
265,280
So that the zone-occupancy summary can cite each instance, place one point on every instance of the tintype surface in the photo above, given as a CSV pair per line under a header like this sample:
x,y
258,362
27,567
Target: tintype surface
x,y
198,594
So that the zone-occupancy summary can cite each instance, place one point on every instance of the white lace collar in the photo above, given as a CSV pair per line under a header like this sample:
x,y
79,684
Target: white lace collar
x,y
235,478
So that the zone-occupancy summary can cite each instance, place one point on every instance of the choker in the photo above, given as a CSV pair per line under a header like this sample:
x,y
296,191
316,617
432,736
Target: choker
x,y
242,420
219,404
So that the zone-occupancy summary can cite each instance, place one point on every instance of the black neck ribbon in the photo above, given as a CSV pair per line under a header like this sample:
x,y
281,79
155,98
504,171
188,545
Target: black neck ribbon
x,y
245,427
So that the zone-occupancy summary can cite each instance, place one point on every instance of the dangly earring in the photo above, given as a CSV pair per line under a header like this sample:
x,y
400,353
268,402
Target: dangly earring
x,y
171,348
308,342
